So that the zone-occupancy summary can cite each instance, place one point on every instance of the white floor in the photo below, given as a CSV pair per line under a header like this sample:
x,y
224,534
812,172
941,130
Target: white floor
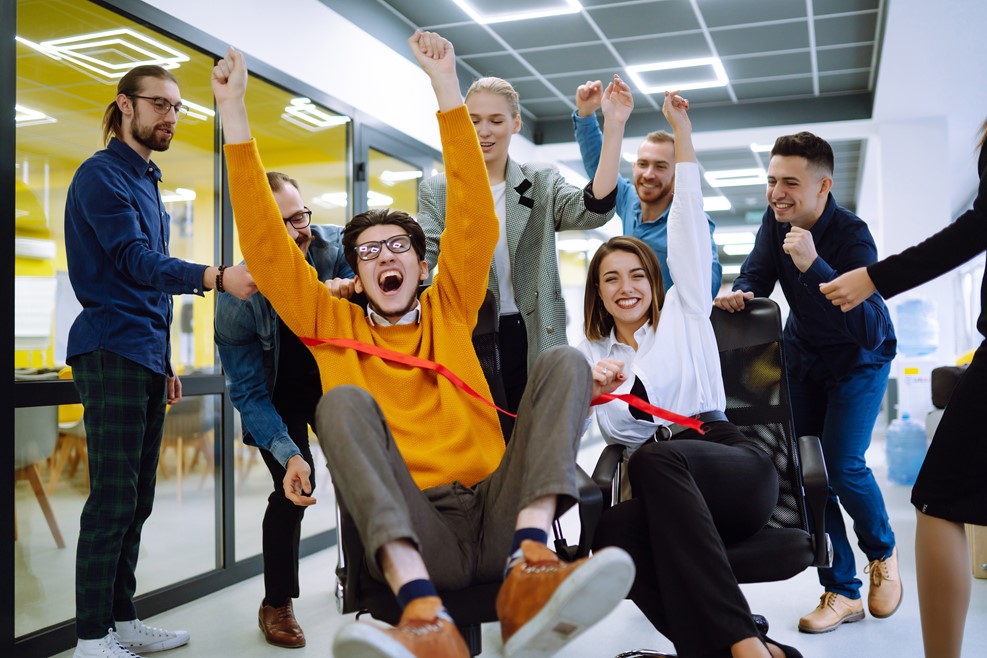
x,y
224,624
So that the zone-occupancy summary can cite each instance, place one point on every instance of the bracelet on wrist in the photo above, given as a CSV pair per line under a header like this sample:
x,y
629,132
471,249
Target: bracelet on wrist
x,y
219,279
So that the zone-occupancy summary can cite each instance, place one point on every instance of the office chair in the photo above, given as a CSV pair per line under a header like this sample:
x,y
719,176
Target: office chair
x,y
474,605
756,385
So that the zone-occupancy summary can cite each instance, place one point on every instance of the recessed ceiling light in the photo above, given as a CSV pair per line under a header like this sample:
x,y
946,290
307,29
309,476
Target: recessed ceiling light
x,y
567,7
736,177
109,54
761,148
701,73
731,269
388,177
733,237
196,111
180,194
25,116
340,199
303,113
629,157
738,249
579,245
716,203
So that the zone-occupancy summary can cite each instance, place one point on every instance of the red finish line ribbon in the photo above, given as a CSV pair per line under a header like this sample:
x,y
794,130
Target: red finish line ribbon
x,y
418,362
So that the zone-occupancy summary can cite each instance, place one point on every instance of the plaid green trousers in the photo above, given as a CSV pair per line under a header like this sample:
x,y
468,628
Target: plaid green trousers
x,y
124,417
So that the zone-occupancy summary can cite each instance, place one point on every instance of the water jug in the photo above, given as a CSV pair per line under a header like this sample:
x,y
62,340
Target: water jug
x,y
916,327
906,446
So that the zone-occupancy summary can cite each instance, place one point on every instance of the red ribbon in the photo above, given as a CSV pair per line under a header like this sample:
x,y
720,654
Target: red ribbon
x,y
418,362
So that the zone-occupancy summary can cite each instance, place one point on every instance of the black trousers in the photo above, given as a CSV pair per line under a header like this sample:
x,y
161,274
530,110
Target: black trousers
x,y
693,496
512,337
282,526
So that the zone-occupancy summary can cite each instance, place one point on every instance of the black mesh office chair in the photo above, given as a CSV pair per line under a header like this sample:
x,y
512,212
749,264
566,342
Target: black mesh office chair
x,y
756,384
471,606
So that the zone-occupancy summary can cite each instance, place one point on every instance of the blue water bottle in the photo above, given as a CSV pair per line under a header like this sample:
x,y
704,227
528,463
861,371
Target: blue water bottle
x,y
906,446
917,327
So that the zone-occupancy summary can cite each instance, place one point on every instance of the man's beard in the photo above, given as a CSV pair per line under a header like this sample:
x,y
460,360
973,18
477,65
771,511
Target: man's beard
x,y
148,136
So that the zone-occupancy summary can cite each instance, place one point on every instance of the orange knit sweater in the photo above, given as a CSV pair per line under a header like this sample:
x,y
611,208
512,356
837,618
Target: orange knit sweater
x,y
443,434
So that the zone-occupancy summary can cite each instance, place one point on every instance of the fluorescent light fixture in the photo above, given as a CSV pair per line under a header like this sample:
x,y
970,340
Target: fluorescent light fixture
x,y
761,148
196,111
35,248
111,54
680,80
731,269
579,245
736,177
303,113
565,7
715,203
738,249
388,177
25,116
340,199
180,194
629,157
733,237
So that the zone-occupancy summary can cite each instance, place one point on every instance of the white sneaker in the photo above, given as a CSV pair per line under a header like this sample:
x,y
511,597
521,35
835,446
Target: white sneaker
x,y
104,647
148,639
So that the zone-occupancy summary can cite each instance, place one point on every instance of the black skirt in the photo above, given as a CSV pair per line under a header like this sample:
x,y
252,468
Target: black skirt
x,y
952,484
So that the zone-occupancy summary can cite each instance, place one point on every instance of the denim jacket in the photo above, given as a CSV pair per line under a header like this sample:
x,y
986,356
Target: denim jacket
x,y
247,340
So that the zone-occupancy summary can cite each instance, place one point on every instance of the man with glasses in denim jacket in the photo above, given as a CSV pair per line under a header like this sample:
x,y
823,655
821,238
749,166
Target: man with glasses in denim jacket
x,y
116,243
274,383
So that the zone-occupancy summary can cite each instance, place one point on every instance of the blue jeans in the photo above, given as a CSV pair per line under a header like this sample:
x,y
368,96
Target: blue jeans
x,y
842,413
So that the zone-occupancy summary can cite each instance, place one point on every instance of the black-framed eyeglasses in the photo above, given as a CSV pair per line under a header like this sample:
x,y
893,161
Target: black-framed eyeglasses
x,y
371,250
162,106
300,219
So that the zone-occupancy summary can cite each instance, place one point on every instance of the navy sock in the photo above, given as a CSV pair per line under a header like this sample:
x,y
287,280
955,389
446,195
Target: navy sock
x,y
534,534
415,589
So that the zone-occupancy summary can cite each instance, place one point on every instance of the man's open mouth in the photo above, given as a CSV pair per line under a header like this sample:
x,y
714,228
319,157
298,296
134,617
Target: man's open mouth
x,y
390,281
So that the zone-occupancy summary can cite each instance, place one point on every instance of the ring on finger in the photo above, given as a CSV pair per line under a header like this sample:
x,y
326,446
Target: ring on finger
x,y
606,371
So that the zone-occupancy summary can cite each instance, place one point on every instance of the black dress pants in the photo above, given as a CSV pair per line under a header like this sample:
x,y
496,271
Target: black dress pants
x,y
693,496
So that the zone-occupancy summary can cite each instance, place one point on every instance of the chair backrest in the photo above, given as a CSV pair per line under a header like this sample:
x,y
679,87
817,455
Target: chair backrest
x,y
752,359
35,434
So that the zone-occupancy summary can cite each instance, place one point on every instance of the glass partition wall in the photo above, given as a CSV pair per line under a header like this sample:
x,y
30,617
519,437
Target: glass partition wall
x,y
211,493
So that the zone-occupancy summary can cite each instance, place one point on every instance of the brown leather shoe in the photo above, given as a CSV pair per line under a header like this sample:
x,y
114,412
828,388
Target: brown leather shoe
x,y
885,593
279,626
544,602
425,631
833,609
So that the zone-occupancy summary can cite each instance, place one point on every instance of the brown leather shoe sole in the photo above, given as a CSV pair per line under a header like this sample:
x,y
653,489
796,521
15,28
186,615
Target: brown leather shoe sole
x,y
849,619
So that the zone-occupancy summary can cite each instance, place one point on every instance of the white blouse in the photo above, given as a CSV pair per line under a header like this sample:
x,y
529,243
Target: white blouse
x,y
678,362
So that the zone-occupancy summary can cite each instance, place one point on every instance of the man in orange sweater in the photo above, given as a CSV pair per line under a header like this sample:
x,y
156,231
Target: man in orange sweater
x,y
420,466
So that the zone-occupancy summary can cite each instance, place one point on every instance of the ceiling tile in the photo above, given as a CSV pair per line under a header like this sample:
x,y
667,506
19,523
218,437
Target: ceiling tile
x,y
531,88
632,20
662,48
842,82
470,39
841,59
571,60
844,6
500,66
761,38
428,14
758,66
547,107
718,13
846,29
747,91
553,31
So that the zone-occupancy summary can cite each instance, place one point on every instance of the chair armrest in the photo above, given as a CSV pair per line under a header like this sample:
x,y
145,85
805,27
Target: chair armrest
x,y
606,469
815,482
590,507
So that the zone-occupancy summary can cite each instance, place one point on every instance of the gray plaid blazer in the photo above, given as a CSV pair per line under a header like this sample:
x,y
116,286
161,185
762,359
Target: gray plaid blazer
x,y
538,202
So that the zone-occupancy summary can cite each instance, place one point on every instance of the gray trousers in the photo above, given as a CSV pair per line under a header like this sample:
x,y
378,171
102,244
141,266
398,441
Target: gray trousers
x,y
463,533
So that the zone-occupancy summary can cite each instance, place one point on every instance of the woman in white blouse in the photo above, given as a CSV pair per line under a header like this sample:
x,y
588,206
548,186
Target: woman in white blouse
x,y
692,494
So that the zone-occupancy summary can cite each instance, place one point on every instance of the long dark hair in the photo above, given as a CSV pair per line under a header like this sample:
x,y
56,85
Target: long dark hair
x,y
129,85
983,134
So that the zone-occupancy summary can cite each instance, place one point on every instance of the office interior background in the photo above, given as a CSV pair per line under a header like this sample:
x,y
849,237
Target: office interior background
x,y
897,86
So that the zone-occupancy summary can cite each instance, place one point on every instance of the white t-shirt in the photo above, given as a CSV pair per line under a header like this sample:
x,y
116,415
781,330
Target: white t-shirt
x,y
502,257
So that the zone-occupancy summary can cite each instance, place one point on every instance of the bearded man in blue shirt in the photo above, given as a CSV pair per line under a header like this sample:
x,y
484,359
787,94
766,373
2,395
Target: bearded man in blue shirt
x,y
116,243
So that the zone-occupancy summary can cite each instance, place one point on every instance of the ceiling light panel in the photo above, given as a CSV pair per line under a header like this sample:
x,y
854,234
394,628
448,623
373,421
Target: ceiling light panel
x,y
303,113
25,116
682,75
542,9
736,177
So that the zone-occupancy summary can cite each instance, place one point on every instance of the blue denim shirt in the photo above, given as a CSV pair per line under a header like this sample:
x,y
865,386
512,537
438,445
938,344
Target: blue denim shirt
x,y
116,244
821,341
655,233
247,340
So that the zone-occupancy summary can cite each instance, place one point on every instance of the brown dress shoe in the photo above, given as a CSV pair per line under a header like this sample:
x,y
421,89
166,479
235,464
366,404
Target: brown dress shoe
x,y
279,626
833,609
424,631
544,602
885,593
